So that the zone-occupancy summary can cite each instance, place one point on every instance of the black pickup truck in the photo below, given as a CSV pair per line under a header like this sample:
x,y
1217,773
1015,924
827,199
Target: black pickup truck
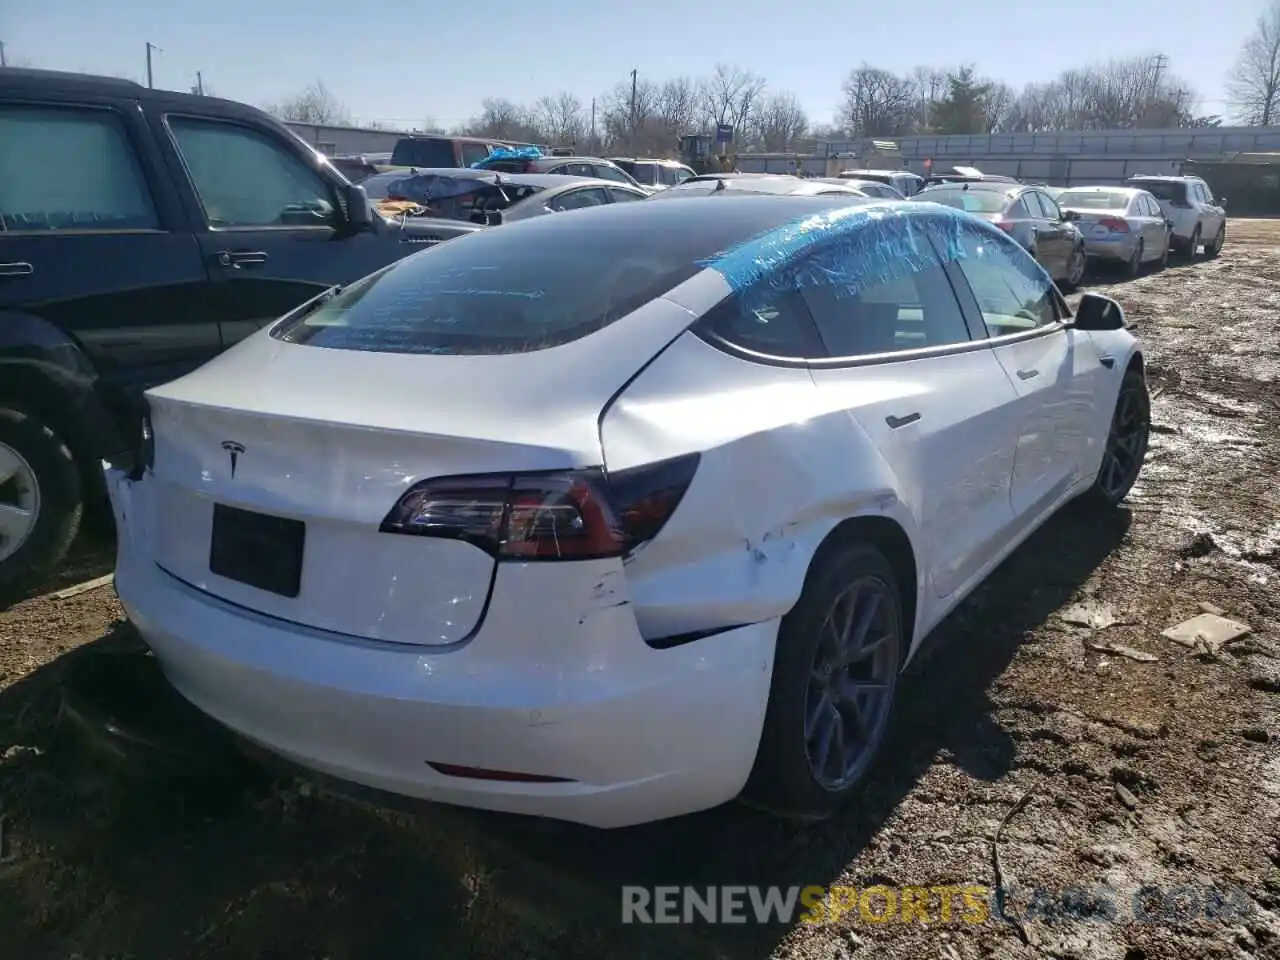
x,y
142,232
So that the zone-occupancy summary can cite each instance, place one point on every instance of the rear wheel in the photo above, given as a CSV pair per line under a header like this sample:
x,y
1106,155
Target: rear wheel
x,y
1134,266
1075,268
1189,251
1126,443
40,498
1215,246
1164,257
835,673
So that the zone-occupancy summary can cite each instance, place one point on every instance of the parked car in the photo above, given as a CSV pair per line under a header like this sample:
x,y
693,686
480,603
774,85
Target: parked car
x,y
1189,203
654,174
868,188
1121,225
156,229
437,150
1028,214
591,167
708,184
486,197
904,181
966,175
618,527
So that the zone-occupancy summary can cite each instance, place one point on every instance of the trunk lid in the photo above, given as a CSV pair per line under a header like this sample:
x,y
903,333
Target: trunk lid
x,y
331,439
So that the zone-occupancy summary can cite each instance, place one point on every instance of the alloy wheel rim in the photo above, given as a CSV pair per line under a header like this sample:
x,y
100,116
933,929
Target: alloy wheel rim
x,y
1126,445
19,501
851,682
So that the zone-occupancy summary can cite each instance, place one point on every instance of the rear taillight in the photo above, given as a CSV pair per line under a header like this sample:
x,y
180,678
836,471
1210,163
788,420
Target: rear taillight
x,y
1005,225
570,515
1114,224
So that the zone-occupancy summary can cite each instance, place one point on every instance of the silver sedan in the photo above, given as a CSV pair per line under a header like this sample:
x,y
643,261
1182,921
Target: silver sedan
x,y
1121,225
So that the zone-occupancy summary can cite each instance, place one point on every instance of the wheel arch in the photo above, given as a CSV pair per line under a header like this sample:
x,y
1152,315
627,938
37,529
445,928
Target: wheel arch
x,y
891,539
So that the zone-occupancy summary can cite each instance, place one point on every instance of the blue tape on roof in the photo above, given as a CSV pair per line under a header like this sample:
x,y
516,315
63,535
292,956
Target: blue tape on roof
x,y
852,247
506,153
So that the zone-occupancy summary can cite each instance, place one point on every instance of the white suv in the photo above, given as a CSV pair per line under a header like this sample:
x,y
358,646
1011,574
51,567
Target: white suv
x,y
1193,213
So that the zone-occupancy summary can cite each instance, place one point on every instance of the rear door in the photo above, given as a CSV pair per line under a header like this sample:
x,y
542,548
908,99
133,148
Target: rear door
x,y
268,219
93,240
1053,240
1053,368
935,404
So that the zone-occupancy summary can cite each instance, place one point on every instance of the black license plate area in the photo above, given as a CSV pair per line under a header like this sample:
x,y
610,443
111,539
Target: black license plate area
x,y
257,549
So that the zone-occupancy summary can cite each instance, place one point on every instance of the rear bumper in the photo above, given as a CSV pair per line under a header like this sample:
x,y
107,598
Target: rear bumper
x,y
1119,250
557,682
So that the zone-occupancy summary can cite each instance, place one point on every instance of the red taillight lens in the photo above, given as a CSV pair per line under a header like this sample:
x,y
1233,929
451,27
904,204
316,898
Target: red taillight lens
x,y
572,515
1114,224
1005,225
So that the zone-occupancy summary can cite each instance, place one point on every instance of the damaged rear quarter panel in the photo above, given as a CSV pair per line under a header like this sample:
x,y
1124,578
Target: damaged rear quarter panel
x,y
779,471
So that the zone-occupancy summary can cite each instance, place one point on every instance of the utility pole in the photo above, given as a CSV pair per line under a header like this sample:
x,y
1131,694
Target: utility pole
x,y
150,46
199,83
633,103
3,61
593,126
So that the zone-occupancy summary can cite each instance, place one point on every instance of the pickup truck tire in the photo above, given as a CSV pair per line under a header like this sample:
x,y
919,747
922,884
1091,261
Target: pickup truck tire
x,y
57,503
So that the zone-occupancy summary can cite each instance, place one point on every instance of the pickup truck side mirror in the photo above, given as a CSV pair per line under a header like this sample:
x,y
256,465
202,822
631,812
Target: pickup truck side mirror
x,y
1222,202
359,211
1097,312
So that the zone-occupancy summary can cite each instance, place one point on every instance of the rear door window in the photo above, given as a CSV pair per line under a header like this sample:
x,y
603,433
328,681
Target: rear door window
x,y
69,169
670,176
646,173
577,199
423,152
623,195
914,312
607,171
1034,205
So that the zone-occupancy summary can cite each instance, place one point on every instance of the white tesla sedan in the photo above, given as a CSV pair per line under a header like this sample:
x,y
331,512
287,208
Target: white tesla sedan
x,y
553,521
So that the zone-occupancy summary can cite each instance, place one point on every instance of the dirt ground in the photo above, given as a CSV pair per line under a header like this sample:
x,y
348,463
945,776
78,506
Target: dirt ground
x,y
1115,774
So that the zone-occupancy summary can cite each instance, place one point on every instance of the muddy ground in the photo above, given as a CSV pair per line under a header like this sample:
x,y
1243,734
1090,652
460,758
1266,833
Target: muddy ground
x,y
1119,773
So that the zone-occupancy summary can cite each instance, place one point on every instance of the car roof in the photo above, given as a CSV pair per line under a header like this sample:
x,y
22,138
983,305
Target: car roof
x,y
1103,189
467,173
1166,177
87,83
1002,186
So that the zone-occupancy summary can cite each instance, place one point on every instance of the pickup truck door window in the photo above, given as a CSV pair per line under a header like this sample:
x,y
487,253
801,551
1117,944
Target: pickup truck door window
x,y
92,243
271,232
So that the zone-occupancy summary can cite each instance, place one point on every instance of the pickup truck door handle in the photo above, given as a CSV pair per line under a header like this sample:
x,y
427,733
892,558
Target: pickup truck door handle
x,y
240,258
19,269
1028,374
896,422
1107,361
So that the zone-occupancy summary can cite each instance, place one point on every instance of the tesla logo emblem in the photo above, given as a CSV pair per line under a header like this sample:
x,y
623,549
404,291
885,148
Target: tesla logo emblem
x,y
234,450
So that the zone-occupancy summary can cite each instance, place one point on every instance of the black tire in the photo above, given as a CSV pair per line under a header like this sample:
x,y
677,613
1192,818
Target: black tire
x,y
1123,453
1134,266
1189,251
60,500
783,780
1214,247
1164,257
1079,259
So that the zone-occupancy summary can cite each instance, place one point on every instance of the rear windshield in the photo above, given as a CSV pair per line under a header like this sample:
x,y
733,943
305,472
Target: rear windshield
x,y
1172,190
974,201
526,286
628,165
1093,200
419,152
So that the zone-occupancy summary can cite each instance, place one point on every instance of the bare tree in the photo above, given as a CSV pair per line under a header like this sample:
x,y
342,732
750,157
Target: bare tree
x,y
997,105
1254,82
315,104
928,84
730,95
560,119
878,103
502,119
677,106
779,122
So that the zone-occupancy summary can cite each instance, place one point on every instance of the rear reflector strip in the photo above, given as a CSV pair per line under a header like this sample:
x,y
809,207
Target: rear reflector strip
x,y
506,776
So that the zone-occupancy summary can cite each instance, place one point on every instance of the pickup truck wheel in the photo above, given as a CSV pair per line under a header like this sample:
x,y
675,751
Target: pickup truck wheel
x,y
40,498
1214,247
1189,251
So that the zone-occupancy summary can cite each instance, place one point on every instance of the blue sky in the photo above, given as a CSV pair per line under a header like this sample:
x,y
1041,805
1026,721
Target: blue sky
x,y
405,61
